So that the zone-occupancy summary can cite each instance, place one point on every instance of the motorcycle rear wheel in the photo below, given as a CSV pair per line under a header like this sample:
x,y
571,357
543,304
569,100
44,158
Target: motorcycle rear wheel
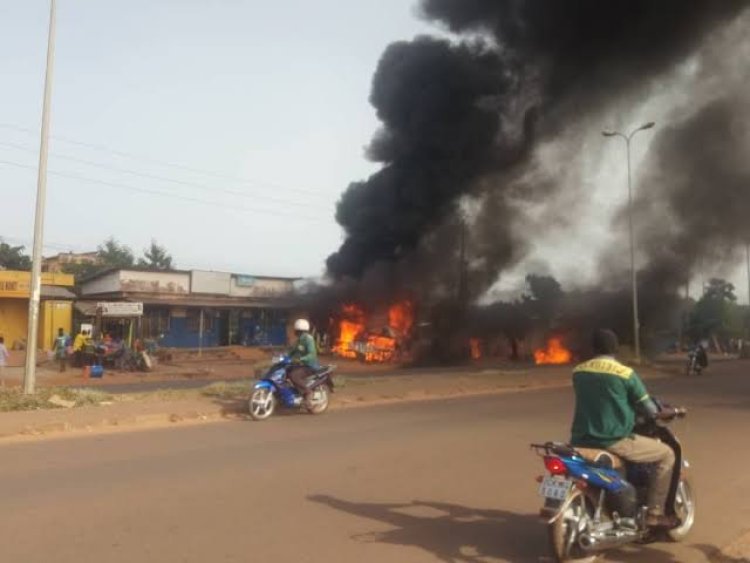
x,y
563,533
685,510
262,403
319,401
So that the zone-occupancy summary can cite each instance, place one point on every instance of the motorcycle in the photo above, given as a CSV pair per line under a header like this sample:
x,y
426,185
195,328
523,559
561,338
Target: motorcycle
x,y
697,360
594,500
274,388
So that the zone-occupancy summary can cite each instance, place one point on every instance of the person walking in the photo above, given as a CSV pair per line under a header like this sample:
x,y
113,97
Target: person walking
x,y
4,357
61,350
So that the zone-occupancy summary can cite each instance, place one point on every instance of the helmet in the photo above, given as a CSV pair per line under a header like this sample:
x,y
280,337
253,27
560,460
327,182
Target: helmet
x,y
302,325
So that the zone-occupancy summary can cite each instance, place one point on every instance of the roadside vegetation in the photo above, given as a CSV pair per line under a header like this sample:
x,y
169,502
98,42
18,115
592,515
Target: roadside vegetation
x,y
13,398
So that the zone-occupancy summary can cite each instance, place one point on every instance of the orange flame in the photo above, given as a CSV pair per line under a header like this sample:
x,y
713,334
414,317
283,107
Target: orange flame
x,y
354,340
555,353
476,348
401,317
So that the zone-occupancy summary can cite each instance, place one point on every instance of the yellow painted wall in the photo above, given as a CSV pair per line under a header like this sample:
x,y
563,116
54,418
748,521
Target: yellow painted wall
x,y
54,315
13,319
14,308
16,284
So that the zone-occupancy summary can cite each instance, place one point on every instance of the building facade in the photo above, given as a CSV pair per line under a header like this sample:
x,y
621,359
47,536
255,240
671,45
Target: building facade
x,y
55,310
192,309
55,264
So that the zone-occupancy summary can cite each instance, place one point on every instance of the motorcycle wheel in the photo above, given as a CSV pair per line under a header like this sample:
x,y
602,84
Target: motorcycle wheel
x,y
318,403
684,505
563,532
262,403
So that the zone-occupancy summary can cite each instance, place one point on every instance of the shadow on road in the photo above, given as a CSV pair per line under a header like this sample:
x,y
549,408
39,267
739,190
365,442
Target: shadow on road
x,y
457,534
452,533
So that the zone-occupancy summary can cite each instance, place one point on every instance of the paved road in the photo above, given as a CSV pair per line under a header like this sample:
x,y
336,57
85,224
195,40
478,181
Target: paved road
x,y
445,481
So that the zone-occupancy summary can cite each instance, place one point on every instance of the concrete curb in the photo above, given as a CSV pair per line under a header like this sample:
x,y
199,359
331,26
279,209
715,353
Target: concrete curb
x,y
236,410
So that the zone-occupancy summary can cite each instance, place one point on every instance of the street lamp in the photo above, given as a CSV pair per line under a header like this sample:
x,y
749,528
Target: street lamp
x,y
634,281
29,376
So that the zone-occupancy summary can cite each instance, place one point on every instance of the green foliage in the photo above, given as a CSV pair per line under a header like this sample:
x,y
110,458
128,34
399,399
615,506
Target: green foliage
x,y
112,254
13,398
13,258
156,257
717,312
542,302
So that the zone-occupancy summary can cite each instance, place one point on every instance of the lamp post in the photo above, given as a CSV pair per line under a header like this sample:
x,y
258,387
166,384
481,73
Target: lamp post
x,y
633,275
29,378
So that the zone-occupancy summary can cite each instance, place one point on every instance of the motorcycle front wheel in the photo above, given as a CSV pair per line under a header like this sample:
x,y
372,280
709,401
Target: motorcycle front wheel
x,y
684,505
318,403
262,403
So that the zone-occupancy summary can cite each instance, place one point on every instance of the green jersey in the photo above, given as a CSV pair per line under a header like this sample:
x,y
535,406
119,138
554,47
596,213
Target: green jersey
x,y
607,393
305,350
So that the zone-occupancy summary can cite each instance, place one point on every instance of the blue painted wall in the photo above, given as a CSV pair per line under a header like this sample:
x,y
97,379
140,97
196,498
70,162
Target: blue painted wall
x,y
264,328
179,336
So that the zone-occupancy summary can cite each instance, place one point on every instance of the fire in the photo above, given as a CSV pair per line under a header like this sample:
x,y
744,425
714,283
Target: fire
x,y
555,353
401,317
355,341
476,348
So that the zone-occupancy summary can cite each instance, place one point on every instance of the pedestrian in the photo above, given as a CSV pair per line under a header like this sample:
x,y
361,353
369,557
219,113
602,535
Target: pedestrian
x,y
61,349
4,357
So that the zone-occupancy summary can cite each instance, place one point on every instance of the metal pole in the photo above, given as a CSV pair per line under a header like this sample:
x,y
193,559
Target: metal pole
x,y
200,336
41,194
633,274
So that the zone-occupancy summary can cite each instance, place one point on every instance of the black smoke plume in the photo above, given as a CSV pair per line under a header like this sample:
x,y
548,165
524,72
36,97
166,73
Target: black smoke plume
x,y
460,117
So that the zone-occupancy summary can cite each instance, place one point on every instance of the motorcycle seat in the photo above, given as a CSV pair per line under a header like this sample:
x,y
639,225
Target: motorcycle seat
x,y
602,457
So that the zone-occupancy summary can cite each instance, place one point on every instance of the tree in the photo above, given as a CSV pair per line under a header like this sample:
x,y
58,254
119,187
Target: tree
x,y
13,258
542,301
112,254
716,312
156,257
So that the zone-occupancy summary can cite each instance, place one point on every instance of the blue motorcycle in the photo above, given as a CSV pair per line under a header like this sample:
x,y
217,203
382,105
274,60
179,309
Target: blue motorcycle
x,y
275,388
594,500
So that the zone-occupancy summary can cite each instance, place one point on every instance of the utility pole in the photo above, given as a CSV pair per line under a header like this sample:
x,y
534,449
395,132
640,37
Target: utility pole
x,y
633,274
462,273
35,288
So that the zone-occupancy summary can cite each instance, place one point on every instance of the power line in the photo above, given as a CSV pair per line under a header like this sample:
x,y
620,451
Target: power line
x,y
161,193
160,162
160,178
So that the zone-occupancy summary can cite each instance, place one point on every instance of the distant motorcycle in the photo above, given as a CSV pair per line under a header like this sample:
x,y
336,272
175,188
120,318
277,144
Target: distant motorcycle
x,y
275,388
594,500
697,360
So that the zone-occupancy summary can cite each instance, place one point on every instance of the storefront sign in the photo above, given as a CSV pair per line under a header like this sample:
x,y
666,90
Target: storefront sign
x,y
120,309
245,281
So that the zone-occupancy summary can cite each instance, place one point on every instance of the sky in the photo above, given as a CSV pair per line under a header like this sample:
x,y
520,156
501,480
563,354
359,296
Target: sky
x,y
225,130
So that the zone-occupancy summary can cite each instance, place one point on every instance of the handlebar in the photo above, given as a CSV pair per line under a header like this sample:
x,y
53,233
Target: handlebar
x,y
672,413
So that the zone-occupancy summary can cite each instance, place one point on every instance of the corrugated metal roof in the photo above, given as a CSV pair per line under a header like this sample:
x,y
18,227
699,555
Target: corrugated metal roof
x,y
56,292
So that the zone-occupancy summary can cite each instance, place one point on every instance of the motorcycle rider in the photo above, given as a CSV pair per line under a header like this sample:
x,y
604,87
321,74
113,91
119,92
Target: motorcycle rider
x,y
305,354
701,353
608,397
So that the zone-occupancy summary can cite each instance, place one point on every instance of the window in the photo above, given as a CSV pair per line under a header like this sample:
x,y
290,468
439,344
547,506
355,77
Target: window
x,y
194,320
155,323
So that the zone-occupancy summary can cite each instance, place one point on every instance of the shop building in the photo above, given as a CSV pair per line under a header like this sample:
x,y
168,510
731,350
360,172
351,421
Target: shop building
x,y
55,309
195,308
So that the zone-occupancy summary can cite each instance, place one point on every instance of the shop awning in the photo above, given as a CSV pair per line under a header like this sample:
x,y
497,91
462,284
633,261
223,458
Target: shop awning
x,y
57,292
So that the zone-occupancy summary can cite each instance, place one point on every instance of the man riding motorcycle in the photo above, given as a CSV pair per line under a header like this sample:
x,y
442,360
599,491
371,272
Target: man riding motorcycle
x,y
305,354
609,396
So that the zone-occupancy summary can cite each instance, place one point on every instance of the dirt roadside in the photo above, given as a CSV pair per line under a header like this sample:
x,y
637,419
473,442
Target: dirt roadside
x,y
736,552
170,407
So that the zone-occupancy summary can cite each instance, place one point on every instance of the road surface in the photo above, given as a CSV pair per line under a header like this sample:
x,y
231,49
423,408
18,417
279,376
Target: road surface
x,y
448,481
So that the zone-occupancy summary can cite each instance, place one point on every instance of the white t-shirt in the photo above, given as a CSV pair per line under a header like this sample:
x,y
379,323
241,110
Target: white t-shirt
x,y
3,355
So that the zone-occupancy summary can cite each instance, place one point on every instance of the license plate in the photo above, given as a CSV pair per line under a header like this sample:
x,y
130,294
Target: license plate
x,y
555,488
